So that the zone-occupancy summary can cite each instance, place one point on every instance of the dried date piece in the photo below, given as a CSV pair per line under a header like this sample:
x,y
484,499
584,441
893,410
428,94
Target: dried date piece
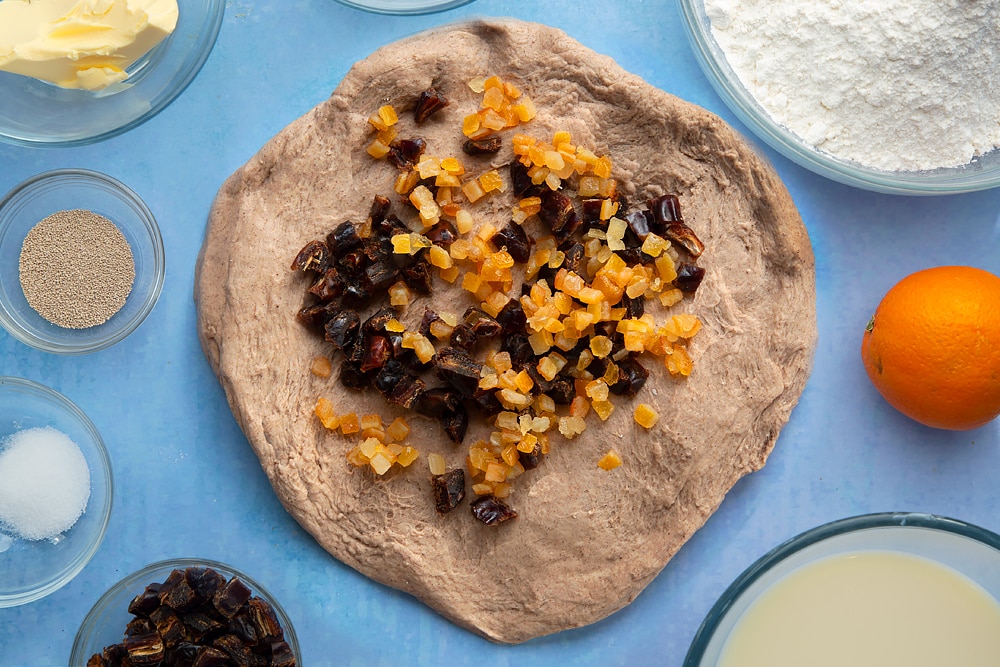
x,y
429,103
449,490
491,510
489,146
210,657
315,256
689,277
176,592
144,646
146,602
264,620
405,153
228,599
281,655
515,240
459,369
685,237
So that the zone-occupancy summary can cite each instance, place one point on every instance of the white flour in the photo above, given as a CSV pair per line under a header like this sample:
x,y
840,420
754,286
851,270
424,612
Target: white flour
x,y
893,84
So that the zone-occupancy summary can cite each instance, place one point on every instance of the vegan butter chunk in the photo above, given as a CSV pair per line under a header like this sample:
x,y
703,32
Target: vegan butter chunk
x,y
81,43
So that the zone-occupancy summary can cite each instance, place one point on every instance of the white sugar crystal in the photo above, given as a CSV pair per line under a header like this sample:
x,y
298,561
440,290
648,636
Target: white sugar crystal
x,y
44,483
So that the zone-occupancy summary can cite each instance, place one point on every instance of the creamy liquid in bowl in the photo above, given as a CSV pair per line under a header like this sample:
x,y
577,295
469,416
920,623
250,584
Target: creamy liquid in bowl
x,y
868,609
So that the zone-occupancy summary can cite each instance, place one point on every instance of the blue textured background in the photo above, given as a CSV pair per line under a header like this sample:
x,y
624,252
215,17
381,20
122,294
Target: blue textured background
x,y
189,485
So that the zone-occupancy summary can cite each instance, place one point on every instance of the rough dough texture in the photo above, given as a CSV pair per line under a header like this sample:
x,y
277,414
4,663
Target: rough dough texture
x,y
587,541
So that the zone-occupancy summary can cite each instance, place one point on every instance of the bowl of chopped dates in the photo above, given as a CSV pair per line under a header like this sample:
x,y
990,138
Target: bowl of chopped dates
x,y
186,611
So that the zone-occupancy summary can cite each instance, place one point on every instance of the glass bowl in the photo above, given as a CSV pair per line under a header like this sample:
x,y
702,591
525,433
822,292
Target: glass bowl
x,y
37,113
105,624
63,189
404,6
981,173
33,569
970,553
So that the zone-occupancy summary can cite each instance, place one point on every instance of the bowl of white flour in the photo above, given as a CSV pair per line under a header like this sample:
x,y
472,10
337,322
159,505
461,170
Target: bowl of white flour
x,y
897,96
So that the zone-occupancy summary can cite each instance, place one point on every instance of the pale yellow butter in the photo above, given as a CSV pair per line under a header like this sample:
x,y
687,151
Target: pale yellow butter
x,y
81,43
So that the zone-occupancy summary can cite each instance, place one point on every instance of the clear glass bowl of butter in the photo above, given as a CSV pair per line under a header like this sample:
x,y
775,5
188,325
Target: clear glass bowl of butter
x,y
38,112
897,588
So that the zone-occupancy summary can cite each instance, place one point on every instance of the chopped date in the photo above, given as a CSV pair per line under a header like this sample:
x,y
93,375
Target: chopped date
x,y
341,330
491,510
405,153
482,324
265,621
489,146
208,656
315,256
665,209
515,240
558,213
328,286
228,599
429,103
463,336
520,181
343,238
378,351
689,277
631,376
512,318
449,490
685,237
460,370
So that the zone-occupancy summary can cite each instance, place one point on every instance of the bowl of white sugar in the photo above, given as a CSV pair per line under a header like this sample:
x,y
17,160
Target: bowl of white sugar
x,y
81,261
896,96
881,589
56,488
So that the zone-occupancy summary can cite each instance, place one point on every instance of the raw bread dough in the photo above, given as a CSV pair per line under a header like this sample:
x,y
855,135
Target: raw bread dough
x,y
587,541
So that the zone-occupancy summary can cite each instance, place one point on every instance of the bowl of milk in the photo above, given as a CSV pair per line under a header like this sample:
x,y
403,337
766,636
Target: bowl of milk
x,y
870,591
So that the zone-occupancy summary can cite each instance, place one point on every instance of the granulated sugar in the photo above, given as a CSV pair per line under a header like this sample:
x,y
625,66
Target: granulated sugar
x,y
898,85
76,268
44,483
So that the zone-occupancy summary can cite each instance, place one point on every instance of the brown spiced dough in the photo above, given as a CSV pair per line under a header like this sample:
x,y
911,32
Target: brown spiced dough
x,y
587,541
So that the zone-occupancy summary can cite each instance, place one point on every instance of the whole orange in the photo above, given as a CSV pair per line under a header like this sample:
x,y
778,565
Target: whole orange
x,y
932,349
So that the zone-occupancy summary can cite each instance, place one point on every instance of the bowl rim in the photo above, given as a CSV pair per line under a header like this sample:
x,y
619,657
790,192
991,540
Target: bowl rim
x,y
109,184
425,7
186,73
745,106
104,461
140,577
813,536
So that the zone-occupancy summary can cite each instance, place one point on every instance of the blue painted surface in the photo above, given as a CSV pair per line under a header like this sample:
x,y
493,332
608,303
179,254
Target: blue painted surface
x,y
189,485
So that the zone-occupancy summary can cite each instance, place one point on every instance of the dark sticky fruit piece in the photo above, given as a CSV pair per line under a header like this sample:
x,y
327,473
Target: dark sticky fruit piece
x,y
515,240
631,376
144,646
210,657
665,209
449,490
460,370
463,336
407,390
418,277
145,603
264,620
685,237
228,599
314,256
689,277
557,212
512,318
530,460
379,210
238,652
442,234
405,153
429,102
491,510
281,655
168,625
520,181
488,146
199,624
343,238
177,593
341,330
